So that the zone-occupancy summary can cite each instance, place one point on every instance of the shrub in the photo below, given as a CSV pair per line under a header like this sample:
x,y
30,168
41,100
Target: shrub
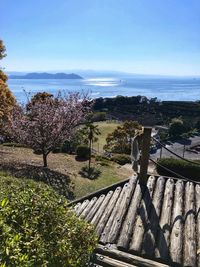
x,y
83,151
103,160
13,144
96,116
100,157
186,169
56,150
121,159
37,228
90,173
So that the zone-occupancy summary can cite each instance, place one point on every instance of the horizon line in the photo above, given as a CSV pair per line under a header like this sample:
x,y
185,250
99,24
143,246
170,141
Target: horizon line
x,y
106,71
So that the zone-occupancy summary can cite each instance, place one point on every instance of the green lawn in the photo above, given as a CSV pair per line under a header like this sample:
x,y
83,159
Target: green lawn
x,y
109,175
62,173
105,128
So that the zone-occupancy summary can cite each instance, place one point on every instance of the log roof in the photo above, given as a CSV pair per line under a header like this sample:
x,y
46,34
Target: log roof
x,y
158,222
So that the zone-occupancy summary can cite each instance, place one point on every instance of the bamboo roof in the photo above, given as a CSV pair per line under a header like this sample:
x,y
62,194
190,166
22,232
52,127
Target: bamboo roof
x,y
157,224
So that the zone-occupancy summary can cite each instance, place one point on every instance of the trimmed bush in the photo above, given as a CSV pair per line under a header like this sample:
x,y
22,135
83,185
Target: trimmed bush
x,y
186,169
56,150
90,173
13,144
83,151
37,228
102,160
121,159
100,157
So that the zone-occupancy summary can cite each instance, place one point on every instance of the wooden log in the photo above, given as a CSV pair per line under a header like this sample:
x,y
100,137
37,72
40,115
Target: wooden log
x,y
189,257
85,212
105,216
162,245
120,210
92,264
141,223
109,262
150,236
110,231
102,208
82,207
76,207
127,227
144,161
197,189
127,257
176,238
95,208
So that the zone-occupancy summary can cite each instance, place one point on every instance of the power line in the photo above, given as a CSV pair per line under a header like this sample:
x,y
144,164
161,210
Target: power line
x,y
178,156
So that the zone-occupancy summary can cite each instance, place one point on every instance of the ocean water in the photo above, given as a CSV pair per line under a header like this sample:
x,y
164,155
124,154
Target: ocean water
x,y
187,89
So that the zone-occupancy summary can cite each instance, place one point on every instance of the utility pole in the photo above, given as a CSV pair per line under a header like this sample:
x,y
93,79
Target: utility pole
x,y
144,161
161,152
183,150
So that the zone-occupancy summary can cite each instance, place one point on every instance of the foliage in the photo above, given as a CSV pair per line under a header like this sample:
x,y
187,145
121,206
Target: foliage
x,y
37,228
186,169
90,131
198,125
100,157
163,136
3,76
47,123
121,159
96,116
83,151
2,50
13,144
7,100
119,141
102,160
90,172
69,146
176,128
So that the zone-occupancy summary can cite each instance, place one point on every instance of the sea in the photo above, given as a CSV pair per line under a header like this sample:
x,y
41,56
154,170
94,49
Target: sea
x,y
183,89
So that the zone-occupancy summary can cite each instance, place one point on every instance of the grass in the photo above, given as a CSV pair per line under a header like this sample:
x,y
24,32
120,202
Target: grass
x,y
105,128
109,175
62,173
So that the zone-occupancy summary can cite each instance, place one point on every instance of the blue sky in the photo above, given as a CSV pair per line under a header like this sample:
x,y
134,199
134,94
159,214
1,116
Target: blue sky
x,y
139,36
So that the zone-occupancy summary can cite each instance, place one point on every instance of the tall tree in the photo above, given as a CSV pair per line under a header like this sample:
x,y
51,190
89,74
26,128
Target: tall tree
x,y
176,128
91,131
7,100
46,123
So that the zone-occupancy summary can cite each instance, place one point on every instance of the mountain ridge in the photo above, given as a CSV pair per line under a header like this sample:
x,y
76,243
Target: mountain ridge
x,y
45,75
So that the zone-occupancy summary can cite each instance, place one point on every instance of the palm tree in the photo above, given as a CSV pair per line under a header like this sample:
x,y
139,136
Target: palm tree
x,y
91,131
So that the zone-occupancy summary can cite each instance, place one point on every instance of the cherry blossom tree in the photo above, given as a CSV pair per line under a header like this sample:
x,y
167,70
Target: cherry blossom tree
x,y
47,122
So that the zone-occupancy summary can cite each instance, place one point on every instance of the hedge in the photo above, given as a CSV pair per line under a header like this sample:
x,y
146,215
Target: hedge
x,y
83,151
186,169
121,159
37,228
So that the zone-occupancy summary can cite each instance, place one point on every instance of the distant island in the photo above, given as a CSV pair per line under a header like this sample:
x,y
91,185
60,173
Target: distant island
x,y
45,75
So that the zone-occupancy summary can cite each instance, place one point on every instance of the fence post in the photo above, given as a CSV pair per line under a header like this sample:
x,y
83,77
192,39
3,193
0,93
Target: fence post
x,y
144,161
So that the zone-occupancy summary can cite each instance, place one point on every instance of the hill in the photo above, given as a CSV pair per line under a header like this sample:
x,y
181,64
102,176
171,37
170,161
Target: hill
x,y
45,75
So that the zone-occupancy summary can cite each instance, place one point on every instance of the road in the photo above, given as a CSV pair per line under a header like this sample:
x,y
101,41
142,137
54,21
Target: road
x,y
178,148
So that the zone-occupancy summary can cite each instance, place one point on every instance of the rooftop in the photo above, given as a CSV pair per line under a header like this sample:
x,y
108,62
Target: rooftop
x,y
157,224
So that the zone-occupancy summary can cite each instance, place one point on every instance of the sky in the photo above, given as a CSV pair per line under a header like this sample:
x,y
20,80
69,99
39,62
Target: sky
x,y
135,36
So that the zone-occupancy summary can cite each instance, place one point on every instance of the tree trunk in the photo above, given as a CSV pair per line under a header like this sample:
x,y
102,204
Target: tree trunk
x,y
90,145
45,160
